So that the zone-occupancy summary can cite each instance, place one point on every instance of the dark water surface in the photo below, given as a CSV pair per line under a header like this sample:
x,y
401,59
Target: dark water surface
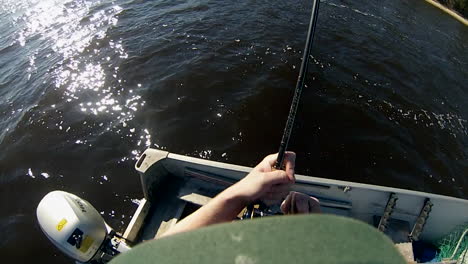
x,y
86,86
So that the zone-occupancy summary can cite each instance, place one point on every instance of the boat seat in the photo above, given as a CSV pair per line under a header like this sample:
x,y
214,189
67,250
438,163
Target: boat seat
x,y
279,239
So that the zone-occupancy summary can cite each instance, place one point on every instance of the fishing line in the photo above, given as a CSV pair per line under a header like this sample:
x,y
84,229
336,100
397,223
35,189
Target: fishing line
x,y
299,85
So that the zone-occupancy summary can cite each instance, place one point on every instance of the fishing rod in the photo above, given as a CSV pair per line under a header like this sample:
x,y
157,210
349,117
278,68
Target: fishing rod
x,y
299,85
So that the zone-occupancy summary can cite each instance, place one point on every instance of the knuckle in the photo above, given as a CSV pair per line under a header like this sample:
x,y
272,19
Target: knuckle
x,y
264,178
283,175
270,157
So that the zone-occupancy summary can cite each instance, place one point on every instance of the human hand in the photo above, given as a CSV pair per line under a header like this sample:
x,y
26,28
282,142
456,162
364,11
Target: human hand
x,y
300,203
266,183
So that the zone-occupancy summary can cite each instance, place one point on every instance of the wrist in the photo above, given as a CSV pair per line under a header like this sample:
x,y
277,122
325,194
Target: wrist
x,y
234,197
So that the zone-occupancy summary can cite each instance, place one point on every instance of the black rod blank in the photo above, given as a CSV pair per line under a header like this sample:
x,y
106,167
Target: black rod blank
x,y
299,85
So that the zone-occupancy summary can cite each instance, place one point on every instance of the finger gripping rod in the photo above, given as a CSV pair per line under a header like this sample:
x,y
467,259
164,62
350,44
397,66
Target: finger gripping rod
x,y
299,85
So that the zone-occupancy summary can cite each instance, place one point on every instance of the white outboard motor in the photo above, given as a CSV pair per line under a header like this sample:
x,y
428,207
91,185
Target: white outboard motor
x,y
77,229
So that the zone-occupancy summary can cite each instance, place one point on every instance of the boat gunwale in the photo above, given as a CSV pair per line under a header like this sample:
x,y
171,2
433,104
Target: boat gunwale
x,y
165,157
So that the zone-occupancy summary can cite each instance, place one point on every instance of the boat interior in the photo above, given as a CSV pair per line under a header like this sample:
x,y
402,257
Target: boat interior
x,y
174,186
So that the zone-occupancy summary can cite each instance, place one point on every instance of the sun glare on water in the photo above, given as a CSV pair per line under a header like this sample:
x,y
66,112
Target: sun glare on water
x,y
74,37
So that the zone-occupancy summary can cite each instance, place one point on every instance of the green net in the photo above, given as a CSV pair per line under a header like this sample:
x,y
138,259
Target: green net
x,y
454,244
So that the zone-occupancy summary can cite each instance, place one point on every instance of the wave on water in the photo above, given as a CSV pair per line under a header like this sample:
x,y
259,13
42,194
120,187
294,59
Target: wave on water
x,y
66,43
353,9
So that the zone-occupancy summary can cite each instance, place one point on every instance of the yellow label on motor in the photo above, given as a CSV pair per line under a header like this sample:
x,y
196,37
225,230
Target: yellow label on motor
x,y
86,243
61,224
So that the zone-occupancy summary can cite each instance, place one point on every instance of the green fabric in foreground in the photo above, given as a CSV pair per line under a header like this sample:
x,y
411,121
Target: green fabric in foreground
x,y
281,239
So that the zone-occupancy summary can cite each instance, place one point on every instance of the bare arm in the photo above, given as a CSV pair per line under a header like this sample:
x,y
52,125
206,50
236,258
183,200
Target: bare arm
x,y
261,183
222,208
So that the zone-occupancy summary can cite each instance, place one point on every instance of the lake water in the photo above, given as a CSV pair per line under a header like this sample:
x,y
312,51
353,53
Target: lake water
x,y
86,86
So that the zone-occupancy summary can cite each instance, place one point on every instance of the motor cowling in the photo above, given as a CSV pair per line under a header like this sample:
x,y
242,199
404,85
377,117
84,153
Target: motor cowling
x,y
72,224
